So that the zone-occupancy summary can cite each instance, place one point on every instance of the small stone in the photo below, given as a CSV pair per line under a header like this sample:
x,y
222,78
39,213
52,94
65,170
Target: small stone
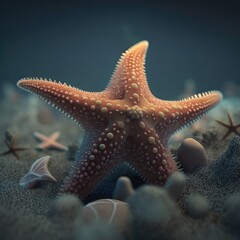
x,y
154,215
175,185
152,204
123,189
197,206
192,155
65,209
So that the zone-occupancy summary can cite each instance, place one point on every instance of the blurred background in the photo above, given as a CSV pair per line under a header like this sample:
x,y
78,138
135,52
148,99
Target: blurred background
x,y
194,45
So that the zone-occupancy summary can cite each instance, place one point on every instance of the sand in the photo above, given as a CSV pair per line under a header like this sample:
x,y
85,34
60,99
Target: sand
x,y
24,213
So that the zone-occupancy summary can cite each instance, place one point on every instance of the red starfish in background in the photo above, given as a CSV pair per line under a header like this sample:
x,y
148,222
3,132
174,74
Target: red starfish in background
x,y
231,127
10,142
125,125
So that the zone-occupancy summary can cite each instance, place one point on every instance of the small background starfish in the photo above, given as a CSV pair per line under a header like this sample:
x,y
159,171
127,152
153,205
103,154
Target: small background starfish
x,y
49,142
10,142
231,127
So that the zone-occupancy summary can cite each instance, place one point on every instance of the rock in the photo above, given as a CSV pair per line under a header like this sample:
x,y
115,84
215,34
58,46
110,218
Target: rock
x,y
123,189
197,206
191,155
65,209
154,214
175,185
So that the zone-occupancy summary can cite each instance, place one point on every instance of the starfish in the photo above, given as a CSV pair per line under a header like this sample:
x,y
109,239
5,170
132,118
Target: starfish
x,y
231,127
49,142
125,125
10,142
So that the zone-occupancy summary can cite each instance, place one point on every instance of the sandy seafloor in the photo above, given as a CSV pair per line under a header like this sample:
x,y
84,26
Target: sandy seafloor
x,y
23,213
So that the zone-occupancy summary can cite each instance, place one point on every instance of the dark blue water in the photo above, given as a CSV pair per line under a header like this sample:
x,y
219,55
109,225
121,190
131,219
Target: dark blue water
x,y
79,42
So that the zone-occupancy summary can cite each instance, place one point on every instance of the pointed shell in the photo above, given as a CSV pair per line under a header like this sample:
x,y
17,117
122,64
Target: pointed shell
x,y
38,173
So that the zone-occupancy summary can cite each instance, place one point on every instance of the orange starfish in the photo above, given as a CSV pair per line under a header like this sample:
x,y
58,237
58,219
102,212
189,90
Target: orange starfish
x,y
231,127
49,142
125,124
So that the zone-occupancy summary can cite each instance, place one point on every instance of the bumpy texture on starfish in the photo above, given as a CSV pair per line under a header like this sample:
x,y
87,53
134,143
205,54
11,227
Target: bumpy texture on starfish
x,y
125,124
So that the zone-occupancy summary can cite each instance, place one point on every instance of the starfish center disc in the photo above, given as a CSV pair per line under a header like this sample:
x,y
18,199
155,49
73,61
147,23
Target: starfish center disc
x,y
134,112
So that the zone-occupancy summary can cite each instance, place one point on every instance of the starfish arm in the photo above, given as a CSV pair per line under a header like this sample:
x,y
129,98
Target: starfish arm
x,y
5,153
43,145
223,124
40,136
175,115
7,143
79,105
152,159
19,149
129,79
236,131
227,134
59,146
16,155
94,162
230,119
55,136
